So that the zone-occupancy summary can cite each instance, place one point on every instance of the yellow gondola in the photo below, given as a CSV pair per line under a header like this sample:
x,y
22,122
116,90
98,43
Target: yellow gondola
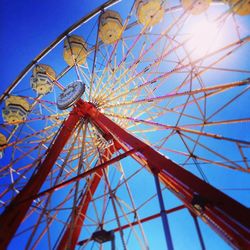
x,y
42,79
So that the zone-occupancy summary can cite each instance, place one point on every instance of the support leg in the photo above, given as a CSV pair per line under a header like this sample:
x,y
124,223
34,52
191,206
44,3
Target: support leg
x,y
163,214
14,214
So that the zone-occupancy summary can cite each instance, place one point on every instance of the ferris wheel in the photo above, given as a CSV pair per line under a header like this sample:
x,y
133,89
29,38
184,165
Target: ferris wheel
x,y
132,131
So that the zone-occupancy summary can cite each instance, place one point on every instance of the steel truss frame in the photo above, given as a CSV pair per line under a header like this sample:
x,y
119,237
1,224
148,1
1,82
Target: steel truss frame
x,y
226,216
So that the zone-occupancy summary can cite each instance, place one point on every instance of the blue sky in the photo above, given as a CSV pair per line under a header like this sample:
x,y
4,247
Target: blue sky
x,y
27,27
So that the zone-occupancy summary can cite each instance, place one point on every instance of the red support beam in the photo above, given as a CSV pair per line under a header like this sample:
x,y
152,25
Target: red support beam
x,y
71,235
146,219
86,173
226,216
14,214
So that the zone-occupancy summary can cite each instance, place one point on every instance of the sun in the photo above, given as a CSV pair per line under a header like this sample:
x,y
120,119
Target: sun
x,y
203,37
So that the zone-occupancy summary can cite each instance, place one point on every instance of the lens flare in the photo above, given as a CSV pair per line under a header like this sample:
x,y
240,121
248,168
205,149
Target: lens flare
x,y
205,37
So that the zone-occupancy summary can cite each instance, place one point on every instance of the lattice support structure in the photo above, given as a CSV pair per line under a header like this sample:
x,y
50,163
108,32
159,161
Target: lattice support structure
x,y
71,235
226,216
16,211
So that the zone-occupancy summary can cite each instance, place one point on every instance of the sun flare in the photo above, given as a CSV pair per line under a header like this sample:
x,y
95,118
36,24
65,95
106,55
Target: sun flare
x,y
204,37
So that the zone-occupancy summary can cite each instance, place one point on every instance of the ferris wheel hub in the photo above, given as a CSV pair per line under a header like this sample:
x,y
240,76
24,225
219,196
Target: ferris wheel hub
x,y
70,95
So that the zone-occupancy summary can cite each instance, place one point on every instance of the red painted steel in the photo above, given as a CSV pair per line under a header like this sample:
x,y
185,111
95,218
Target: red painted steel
x,y
13,215
226,216
71,235
86,173
134,223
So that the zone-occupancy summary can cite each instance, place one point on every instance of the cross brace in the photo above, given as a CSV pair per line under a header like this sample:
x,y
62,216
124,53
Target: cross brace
x,y
226,216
